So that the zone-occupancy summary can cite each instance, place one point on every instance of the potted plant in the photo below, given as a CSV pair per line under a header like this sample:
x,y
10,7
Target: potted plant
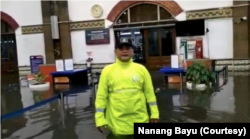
x,y
89,60
198,76
39,83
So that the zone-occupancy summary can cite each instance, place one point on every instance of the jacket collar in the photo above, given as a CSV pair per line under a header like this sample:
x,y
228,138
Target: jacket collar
x,y
124,64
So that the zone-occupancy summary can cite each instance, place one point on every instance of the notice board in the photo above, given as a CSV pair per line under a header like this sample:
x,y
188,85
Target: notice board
x,y
94,37
35,61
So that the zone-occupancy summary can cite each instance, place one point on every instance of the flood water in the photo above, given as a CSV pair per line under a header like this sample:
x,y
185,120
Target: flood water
x,y
75,118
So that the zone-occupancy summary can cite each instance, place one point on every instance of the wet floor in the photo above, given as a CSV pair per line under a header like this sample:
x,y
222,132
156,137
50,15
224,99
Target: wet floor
x,y
75,118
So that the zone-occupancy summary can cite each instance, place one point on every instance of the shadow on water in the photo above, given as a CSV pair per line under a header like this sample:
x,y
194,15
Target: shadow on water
x,y
75,118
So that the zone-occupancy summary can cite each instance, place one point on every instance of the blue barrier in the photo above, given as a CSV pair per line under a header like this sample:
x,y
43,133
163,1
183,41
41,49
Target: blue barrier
x,y
57,96
20,111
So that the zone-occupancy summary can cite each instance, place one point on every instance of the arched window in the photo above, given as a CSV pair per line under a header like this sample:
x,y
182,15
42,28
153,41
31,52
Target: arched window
x,y
8,47
6,28
150,29
144,13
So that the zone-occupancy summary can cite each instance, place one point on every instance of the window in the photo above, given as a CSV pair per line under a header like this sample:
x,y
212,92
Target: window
x,y
5,28
143,12
164,14
123,18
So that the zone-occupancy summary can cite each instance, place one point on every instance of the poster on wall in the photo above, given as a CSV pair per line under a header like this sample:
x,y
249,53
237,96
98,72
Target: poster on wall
x,y
183,47
95,37
191,43
35,61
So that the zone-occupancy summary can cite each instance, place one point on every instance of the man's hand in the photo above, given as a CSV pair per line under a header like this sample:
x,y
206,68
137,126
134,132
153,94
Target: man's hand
x,y
100,128
153,120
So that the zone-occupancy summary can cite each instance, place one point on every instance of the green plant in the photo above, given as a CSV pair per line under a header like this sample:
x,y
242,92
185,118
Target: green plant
x,y
197,73
39,78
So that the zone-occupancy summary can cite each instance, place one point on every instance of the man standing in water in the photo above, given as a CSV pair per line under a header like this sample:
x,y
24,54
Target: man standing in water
x,y
125,88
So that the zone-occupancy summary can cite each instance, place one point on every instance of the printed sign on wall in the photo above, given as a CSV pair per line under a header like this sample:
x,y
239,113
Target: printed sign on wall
x,y
94,37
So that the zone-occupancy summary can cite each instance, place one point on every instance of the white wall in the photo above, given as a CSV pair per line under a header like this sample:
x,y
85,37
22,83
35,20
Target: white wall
x,y
198,5
218,42
100,53
26,13
79,11
220,38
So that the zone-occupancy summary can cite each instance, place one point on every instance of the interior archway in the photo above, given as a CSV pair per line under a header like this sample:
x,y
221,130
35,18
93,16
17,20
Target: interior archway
x,y
151,30
144,13
171,6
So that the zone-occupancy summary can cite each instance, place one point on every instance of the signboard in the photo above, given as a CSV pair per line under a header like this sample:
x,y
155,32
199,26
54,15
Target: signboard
x,y
191,44
94,37
35,61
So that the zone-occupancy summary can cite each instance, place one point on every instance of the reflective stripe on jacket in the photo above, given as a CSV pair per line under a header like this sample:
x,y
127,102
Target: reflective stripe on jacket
x,y
123,91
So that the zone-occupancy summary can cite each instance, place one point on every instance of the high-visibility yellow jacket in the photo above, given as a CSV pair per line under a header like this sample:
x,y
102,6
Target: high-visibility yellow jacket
x,y
123,93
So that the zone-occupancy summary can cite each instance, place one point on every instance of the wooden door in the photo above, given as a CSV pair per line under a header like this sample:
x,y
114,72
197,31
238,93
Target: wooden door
x,y
152,48
159,45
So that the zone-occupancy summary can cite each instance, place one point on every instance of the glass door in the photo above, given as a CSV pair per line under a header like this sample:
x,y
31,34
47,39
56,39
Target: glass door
x,y
152,47
167,42
159,46
8,53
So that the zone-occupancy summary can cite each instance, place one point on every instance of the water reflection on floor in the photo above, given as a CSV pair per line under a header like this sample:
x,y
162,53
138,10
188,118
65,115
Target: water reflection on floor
x,y
232,104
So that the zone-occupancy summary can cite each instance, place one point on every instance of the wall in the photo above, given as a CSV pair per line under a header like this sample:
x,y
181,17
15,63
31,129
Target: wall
x,y
26,13
81,10
218,42
241,33
198,5
220,38
100,53
77,12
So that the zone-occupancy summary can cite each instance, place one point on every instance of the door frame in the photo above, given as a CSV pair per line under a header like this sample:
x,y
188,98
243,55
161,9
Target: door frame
x,y
166,60
10,64
159,61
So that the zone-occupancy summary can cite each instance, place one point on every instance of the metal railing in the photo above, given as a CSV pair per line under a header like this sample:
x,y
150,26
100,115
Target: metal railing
x,y
224,73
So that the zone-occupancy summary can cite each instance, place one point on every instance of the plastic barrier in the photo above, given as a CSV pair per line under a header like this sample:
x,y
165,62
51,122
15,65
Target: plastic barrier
x,y
59,96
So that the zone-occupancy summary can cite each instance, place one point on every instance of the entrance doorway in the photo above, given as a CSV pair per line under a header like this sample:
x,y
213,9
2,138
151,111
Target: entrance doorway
x,y
9,63
135,37
151,30
159,46
152,47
